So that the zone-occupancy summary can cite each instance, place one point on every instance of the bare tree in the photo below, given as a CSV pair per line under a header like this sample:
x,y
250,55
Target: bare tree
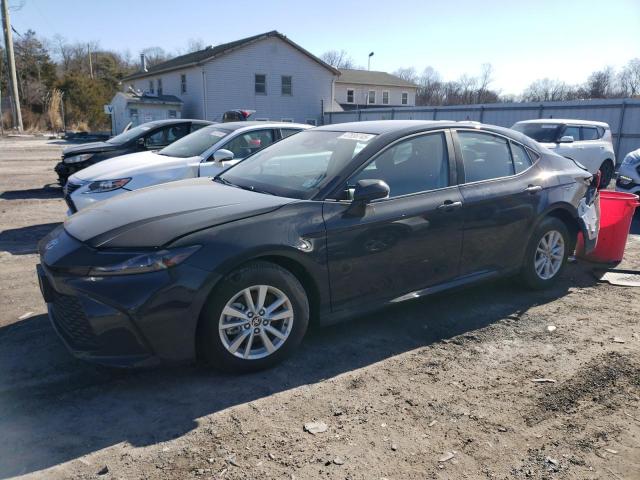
x,y
601,84
338,59
409,74
155,55
629,79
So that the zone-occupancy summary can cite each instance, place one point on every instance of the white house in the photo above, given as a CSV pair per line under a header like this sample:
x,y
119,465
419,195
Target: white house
x,y
136,108
267,73
357,89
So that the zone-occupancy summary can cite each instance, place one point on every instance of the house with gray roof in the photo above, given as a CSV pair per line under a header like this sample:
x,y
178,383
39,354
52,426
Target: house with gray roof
x,y
358,89
267,73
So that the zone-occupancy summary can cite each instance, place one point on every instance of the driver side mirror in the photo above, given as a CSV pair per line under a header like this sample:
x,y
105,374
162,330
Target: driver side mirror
x,y
566,139
366,191
369,190
222,155
142,143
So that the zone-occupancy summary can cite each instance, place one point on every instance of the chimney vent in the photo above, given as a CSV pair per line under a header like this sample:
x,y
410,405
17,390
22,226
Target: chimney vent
x,y
143,62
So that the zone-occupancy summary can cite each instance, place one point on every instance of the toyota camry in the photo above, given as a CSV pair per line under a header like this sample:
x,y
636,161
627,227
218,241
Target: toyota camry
x,y
325,224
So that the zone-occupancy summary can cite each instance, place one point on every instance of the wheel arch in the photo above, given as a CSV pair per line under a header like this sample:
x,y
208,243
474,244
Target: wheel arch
x,y
567,214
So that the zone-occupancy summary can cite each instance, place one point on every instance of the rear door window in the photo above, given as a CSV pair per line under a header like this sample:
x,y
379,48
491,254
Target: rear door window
x,y
570,131
287,132
485,156
521,160
589,133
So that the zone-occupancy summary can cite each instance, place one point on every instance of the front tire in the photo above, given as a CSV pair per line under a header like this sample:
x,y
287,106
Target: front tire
x,y
255,319
606,174
546,254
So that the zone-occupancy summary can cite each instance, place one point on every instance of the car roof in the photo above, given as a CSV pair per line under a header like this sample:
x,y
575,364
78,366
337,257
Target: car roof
x,y
260,124
571,121
174,121
382,126
391,129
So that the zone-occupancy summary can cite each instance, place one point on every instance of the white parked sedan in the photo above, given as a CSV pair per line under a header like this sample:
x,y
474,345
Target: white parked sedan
x,y
203,153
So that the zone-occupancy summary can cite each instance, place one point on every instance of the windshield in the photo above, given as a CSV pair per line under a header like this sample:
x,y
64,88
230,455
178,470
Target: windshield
x,y
298,166
540,132
195,143
124,137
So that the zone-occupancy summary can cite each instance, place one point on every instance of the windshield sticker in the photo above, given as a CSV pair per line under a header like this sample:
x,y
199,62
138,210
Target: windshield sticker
x,y
362,137
218,133
549,126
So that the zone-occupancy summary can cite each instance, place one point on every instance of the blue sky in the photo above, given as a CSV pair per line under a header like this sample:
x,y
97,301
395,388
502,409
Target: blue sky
x,y
523,40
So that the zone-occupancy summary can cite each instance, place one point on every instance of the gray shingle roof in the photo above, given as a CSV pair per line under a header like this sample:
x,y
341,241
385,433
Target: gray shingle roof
x,y
145,98
368,77
210,52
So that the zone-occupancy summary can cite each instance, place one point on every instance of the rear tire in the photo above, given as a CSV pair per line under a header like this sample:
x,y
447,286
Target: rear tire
x,y
606,174
546,254
254,319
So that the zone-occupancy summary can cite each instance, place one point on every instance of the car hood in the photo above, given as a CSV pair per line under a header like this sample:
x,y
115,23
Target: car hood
x,y
128,166
92,147
154,216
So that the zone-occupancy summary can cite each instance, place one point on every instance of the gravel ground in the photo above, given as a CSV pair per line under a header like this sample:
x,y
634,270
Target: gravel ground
x,y
436,388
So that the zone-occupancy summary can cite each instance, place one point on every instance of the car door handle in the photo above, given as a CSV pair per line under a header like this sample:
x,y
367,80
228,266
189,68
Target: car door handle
x,y
533,189
448,205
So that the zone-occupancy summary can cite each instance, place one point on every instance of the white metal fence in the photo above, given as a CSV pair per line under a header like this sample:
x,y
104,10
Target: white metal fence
x,y
623,115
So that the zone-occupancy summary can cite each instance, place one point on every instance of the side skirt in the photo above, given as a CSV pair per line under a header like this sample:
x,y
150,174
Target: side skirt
x,y
459,282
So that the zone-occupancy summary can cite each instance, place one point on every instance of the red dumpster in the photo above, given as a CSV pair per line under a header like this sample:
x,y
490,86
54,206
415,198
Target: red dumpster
x,y
616,213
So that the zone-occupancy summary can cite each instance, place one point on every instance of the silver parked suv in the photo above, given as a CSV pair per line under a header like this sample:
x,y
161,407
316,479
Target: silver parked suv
x,y
585,141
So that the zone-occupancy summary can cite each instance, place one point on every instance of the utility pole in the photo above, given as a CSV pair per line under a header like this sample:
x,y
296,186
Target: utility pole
x,y
90,62
11,62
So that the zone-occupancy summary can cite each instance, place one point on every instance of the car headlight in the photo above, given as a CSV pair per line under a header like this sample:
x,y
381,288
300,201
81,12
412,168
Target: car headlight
x,y
622,180
107,185
631,160
147,262
77,158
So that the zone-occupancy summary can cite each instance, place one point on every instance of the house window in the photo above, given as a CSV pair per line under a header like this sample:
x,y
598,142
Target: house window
x,y
151,89
287,120
287,88
173,114
372,96
385,98
405,98
159,86
183,83
261,84
311,121
350,94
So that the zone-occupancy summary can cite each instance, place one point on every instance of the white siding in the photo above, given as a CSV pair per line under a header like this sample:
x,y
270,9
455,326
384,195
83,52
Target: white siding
x,y
192,106
361,92
230,82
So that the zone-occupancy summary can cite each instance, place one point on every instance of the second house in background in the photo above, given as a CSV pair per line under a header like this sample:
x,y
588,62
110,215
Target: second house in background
x,y
358,89
267,73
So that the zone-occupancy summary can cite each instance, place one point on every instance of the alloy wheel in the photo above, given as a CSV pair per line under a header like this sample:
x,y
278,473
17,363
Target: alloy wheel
x,y
256,322
549,255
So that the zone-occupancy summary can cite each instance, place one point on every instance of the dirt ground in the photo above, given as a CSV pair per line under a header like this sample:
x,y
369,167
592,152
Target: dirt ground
x,y
436,388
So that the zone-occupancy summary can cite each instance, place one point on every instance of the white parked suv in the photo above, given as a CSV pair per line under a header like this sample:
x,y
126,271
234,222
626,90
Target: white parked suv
x,y
629,173
584,141
203,153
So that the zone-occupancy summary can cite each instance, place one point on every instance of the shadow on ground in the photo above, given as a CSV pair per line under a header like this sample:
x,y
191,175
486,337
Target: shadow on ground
x,y
44,193
24,240
54,408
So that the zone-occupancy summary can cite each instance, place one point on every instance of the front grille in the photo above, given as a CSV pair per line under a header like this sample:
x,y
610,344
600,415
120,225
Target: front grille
x,y
69,188
72,322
